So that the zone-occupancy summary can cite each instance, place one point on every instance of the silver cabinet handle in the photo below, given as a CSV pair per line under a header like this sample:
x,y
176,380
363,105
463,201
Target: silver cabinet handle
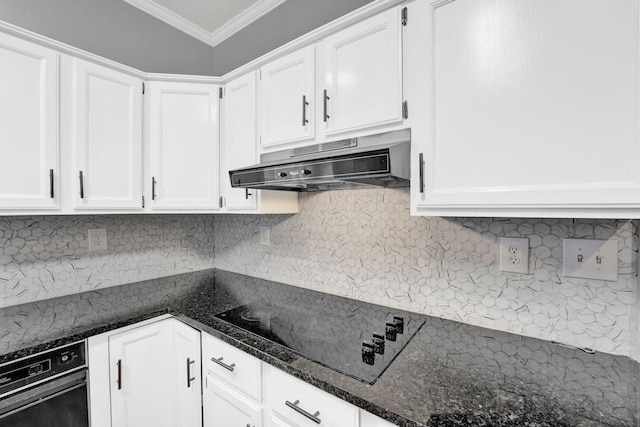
x,y
81,176
119,374
304,110
153,187
220,362
51,194
421,169
189,377
313,417
247,194
324,104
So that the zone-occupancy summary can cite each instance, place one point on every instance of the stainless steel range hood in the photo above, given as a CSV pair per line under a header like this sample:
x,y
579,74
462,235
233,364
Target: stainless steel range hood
x,y
380,160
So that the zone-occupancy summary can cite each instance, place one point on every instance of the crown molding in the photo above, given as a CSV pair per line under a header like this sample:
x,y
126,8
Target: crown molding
x,y
248,16
236,24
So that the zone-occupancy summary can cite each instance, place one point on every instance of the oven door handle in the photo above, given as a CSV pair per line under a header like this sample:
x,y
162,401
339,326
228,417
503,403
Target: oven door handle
x,y
35,395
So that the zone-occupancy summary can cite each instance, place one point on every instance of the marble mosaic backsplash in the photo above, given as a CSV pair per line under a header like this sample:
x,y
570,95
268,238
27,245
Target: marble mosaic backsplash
x,y
41,321
47,256
364,244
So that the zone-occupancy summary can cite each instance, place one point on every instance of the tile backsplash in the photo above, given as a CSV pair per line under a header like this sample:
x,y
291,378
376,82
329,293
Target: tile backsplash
x,y
47,256
361,244
364,244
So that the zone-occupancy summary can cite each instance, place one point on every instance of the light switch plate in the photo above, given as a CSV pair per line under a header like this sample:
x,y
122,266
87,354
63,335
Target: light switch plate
x,y
514,254
590,259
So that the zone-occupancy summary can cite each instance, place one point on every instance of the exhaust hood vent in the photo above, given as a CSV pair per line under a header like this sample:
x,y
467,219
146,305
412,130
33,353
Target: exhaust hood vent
x,y
380,160
327,146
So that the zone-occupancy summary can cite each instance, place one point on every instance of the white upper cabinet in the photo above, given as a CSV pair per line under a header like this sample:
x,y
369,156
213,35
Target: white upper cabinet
x,y
239,147
183,146
107,138
362,75
347,84
529,108
286,98
29,176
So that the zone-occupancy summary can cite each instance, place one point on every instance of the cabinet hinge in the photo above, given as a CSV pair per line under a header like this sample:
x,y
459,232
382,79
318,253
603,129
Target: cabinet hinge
x,y
405,110
221,202
404,16
143,88
143,201
220,92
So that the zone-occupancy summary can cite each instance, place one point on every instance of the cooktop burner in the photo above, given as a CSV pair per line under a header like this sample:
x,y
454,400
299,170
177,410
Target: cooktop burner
x,y
358,339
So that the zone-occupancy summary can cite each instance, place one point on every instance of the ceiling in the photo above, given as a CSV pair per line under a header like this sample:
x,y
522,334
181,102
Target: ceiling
x,y
210,21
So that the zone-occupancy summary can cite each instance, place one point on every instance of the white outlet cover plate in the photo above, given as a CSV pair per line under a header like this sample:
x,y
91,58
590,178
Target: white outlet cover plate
x,y
97,239
514,254
590,259
264,235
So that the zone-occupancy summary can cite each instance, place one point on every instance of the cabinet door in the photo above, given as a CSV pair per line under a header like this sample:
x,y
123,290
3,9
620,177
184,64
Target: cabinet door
x,y
107,138
150,369
141,386
363,75
530,108
223,407
187,389
184,146
286,98
29,127
239,147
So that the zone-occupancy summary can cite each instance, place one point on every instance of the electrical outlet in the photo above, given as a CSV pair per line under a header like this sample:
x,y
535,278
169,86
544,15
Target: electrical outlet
x,y
514,254
97,239
590,259
264,236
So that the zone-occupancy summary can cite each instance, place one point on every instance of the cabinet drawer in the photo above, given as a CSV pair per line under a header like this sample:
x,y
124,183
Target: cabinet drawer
x,y
223,407
233,366
294,402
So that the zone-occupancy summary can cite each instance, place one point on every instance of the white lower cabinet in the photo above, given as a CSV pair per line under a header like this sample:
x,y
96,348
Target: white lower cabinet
x,y
369,420
163,373
222,406
146,376
232,394
290,402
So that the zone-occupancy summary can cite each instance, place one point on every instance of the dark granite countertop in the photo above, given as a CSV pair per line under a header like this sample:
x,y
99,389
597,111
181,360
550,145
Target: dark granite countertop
x,y
450,374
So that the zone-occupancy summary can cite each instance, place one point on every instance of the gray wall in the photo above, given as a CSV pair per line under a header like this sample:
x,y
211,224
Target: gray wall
x,y
283,24
118,31
115,30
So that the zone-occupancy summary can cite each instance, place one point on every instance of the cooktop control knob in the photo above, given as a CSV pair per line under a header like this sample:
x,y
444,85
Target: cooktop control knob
x,y
282,174
67,357
368,354
390,331
399,322
378,343
306,172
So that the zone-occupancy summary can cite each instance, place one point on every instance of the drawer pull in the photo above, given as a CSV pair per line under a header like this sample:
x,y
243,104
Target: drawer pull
x,y
220,362
295,407
81,176
119,381
189,377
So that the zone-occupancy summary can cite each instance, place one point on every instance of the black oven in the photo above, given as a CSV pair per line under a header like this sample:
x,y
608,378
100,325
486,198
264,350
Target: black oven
x,y
48,389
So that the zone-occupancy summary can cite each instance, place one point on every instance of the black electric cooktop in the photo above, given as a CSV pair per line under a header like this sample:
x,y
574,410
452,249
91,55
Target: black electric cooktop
x,y
355,338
